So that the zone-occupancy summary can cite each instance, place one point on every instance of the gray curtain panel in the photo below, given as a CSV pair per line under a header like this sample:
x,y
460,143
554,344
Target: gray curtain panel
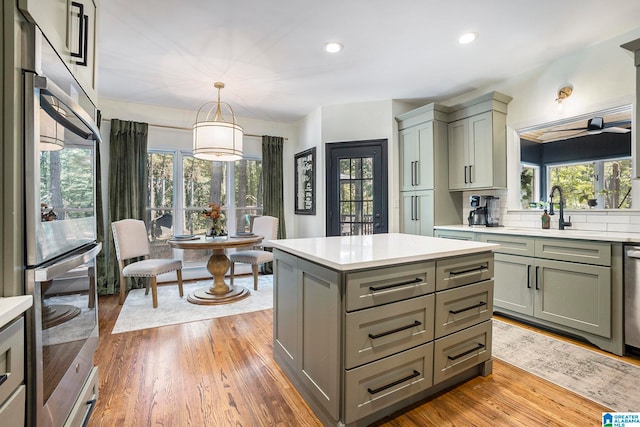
x,y
272,176
127,190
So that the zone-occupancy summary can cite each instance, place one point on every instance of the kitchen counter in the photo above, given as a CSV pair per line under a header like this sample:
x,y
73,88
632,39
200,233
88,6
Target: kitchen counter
x,y
12,307
364,326
343,253
568,233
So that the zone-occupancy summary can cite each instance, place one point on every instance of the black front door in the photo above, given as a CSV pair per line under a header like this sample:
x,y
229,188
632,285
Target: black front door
x,y
357,200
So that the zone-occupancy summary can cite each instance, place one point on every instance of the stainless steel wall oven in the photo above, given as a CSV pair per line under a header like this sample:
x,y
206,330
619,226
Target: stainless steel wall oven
x,y
60,137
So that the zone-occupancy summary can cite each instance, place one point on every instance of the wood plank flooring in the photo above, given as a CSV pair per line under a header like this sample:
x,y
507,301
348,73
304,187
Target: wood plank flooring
x,y
221,372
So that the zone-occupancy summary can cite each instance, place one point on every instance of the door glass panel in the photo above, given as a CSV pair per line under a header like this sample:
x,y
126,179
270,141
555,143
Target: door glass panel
x,y
356,184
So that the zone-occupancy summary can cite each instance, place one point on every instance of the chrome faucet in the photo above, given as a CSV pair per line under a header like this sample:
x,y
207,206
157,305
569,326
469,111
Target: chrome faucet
x,y
562,223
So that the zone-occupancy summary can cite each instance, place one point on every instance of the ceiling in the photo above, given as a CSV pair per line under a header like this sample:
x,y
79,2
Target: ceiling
x,y
269,53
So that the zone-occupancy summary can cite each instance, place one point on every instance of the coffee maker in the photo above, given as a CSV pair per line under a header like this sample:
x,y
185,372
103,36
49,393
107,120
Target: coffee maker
x,y
486,211
477,215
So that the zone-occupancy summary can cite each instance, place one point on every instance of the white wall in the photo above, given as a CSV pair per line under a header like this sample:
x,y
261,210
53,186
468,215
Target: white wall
x,y
344,123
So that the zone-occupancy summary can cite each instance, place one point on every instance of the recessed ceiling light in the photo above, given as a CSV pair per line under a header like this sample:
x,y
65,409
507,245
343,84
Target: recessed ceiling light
x,y
333,47
467,38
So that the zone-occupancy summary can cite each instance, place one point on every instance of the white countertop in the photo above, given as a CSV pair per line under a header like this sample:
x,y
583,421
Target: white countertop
x,y
12,307
568,233
345,253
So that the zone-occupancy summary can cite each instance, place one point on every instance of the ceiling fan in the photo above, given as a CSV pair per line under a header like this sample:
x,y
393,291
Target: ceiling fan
x,y
597,125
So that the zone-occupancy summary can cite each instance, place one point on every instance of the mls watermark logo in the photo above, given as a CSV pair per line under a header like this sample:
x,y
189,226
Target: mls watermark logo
x,y
621,419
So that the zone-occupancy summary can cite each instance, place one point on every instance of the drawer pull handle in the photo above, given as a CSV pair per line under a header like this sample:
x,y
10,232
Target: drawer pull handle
x,y
479,347
401,328
92,406
3,378
395,383
395,285
469,270
480,304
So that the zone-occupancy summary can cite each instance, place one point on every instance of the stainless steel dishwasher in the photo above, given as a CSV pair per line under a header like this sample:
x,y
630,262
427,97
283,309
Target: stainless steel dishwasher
x,y
632,296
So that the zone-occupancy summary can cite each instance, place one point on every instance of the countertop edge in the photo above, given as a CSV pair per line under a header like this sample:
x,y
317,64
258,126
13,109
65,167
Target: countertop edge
x,y
602,236
12,307
359,265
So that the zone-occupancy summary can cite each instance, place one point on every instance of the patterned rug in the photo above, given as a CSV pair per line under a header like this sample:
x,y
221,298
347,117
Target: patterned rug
x,y
138,312
605,380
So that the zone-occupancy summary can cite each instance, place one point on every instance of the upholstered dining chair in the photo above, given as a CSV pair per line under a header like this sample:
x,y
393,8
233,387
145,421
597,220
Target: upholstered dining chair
x,y
131,241
267,227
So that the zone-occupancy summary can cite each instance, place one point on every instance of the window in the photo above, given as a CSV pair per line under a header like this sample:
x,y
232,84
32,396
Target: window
x,y
603,184
529,185
175,205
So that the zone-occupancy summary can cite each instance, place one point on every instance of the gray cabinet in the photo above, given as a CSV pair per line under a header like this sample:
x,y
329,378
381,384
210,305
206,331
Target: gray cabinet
x,y
478,143
71,28
306,327
359,345
12,384
424,198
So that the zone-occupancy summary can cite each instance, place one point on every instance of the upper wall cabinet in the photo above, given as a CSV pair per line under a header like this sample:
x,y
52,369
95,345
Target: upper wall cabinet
x,y
71,28
478,143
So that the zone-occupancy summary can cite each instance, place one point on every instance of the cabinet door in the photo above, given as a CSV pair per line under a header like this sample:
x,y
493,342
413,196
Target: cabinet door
x,y
417,212
513,283
425,212
408,222
458,155
480,150
51,16
84,67
409,155
286,334
416,157
574,295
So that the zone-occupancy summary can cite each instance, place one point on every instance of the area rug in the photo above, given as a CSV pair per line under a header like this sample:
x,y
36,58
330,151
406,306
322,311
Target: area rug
x,y
608,381
138,312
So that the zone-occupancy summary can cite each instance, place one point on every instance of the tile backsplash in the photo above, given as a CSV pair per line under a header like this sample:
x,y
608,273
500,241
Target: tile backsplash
x,y
596,220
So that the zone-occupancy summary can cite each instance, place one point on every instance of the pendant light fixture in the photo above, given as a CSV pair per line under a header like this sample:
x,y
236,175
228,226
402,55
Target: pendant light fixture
x,y
213,137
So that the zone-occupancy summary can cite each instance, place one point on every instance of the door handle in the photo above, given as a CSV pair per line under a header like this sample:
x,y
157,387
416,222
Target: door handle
x,y
413,217
417,213
470,178
415,168
465,175
537,285
528,276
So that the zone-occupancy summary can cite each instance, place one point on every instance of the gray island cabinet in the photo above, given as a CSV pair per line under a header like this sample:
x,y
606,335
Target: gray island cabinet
x,y
364,326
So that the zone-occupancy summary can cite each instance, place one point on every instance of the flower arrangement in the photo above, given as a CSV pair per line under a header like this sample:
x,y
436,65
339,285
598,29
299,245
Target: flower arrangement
x,y
214,211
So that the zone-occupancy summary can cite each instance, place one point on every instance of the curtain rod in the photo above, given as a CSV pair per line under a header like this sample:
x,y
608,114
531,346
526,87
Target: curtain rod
x,y
189,129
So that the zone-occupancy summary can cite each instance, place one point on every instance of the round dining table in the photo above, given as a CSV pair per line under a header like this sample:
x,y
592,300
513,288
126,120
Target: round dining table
x,y
220,292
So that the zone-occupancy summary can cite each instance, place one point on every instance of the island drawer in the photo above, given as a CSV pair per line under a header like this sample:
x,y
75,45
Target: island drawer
x,y
458,352
381,331
464,270
11,358
462,307
598,253
513,245
369,288
379,384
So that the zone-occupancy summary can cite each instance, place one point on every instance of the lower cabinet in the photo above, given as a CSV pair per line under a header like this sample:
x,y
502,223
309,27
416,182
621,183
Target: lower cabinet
x,y
359,345
416,216
569,294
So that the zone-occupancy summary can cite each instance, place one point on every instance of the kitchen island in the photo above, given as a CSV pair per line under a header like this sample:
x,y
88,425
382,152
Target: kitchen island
x,y
366,325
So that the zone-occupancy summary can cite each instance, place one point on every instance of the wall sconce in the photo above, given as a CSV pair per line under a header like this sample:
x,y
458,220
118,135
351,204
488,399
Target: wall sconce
x,y
563,93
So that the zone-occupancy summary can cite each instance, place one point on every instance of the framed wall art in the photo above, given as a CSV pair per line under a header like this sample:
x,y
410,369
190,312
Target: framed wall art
x,y
305,182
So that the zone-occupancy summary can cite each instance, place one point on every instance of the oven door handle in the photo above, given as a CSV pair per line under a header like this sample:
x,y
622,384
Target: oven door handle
x,y
47,87
50,272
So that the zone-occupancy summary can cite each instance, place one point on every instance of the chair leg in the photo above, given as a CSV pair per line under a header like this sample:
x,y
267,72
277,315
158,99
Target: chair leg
x,y
179,274
254,268
123,289
231,272
146,286
154,291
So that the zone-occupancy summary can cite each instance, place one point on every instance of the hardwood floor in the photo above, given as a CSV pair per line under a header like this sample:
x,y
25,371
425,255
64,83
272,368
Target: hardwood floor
x,y
221,372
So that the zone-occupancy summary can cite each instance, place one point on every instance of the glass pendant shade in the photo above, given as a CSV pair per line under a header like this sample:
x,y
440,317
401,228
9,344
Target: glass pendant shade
x,y
51,132
213,137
